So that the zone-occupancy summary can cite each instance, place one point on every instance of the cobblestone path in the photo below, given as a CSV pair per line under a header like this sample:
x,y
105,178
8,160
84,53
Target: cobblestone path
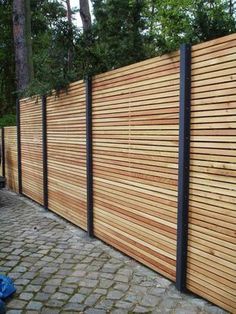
x,y
58,269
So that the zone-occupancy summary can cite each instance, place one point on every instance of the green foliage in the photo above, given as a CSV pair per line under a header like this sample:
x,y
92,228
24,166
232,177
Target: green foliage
x,y
119,31
123,32
174,22
7,69
52,37
7,120
212,19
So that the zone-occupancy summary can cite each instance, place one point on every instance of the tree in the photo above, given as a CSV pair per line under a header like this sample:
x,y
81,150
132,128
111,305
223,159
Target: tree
x,y
21,43
119,31
172,22
28,35
70,27
48,51
7,60
85,15
212,19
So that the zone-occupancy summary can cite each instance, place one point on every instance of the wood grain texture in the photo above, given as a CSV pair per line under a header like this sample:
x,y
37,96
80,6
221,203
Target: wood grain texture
x,y
31,148
66,140
212,206
11,161
135,145
135,163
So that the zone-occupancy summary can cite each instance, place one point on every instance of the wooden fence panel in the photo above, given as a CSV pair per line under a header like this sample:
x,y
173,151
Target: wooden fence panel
x,y
135,160
212,207
31,148
11,163
66,138
135,163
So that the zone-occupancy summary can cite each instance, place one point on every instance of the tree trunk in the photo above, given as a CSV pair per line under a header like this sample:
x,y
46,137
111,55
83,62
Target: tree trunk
x,y
29,39
69,17
85,15
21,57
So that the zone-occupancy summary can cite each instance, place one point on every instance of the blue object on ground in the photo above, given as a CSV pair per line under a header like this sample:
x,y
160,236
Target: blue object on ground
x,y
2,307
7,287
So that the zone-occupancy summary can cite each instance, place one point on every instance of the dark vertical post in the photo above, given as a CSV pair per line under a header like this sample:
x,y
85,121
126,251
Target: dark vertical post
x,y
19,145
45,155
3,153
89,158
183,176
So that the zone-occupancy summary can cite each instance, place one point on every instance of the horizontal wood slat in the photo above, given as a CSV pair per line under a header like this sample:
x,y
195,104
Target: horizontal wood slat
x,y
31,148
66,154
11,160
135,160
135,130
212,207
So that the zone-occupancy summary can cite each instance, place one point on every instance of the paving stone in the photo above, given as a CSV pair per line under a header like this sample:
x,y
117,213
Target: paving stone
x,y
38,281
213,309
85,291
92,299
14,312
157,291
20,269
32,288
11,264
149,300
23,282
93,275
94,311
124,305
74,307
115,295
28,275
49,310
58,269
34,305
67,290
141,309
107,276
42,296
49,289
60,296
53,282
14,275
16,304
100,291
121,287
54,303
121,278
131,297
105,283
77,298
120,311
105,304
90,283
26,296
168,303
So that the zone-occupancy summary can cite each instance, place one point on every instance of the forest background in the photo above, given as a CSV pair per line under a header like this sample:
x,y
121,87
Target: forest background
x,y
43,46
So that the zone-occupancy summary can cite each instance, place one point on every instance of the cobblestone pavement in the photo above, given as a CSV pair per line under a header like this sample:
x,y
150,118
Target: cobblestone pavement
x,y
58,269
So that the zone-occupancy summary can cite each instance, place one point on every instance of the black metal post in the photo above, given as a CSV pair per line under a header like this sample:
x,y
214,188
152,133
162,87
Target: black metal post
x,y
3,153
19,146
89,156
45,155
183,176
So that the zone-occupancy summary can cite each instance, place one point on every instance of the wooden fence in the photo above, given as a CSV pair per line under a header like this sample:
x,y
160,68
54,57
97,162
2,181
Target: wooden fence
x,y
9,136
159,185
